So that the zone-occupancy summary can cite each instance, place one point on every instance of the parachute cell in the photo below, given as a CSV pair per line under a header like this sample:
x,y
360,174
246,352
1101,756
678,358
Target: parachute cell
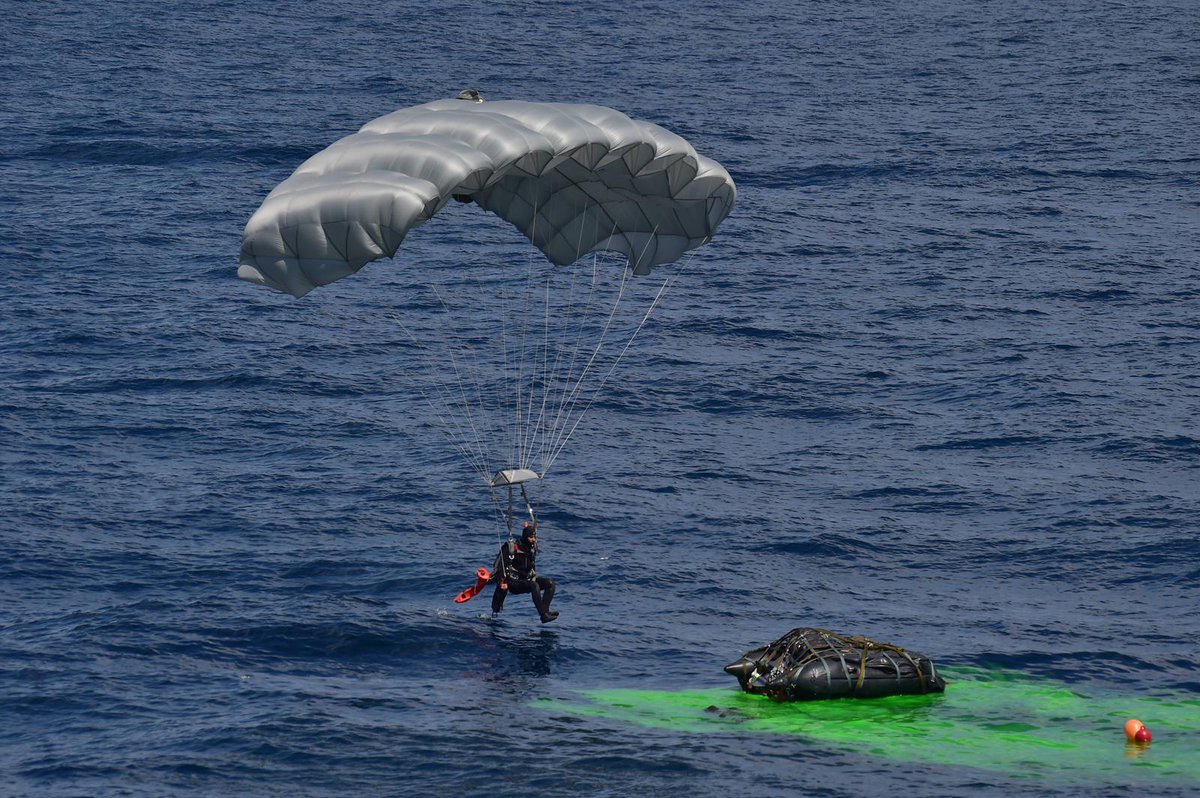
x,y
572,178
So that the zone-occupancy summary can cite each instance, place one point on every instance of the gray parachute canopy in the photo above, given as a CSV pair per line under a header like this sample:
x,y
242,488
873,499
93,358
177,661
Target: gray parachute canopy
x,y
572,178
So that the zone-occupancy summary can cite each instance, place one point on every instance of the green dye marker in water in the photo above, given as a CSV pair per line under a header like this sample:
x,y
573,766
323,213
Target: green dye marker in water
x,y
993,720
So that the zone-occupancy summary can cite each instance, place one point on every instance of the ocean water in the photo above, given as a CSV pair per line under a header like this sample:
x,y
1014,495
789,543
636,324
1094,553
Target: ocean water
x,y
934,381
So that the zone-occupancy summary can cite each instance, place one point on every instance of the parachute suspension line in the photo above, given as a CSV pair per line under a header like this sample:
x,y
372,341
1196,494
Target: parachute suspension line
x,y
500,516
518,436
566,392
462,391
504,381
553,383
491,400
528,506
611,369
531,436
463,402
492,389
454,422
576,389
543,376
560,420
537,377
563,381
572,399
508,516
528,509
447,426
530,430
668,282
536,432
551,380
451,427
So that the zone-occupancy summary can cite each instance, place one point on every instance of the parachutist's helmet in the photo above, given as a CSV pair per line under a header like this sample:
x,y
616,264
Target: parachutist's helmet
x,y
529,531
472,95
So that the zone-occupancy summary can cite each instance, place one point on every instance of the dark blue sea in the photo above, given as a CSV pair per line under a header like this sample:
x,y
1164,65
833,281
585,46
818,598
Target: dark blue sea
x,y
936,381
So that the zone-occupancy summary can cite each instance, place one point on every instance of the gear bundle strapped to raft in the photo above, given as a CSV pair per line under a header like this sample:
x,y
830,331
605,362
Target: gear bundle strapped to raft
x,y
809,664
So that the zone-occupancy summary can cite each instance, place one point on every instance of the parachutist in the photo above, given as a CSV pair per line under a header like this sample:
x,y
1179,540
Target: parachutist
x,y
515,572
472,95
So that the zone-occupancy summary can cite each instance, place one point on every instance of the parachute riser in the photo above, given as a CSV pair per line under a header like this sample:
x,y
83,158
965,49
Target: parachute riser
x,y
509,480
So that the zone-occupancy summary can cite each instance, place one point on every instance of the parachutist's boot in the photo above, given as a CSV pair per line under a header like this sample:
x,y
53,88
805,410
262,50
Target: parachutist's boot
x,y
542,600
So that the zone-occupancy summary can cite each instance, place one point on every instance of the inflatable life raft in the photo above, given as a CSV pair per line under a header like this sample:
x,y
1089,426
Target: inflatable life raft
x,y
811,664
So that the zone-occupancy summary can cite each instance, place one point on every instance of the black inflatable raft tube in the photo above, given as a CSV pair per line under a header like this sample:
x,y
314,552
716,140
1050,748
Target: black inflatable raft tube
x,y
810,664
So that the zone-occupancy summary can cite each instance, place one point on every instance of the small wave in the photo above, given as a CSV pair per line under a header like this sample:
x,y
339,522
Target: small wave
x,y
725,475
1002,441
123,152
1153,449
161,384
905,492
137,152
343,641
831,546
814,413
1123,175
832,174
1105,667
1099,295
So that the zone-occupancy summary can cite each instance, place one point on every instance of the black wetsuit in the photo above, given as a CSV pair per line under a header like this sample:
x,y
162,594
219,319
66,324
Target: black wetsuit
x,y
515,568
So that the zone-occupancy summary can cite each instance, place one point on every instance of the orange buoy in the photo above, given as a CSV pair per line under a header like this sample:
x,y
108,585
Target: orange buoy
x,y
1132,726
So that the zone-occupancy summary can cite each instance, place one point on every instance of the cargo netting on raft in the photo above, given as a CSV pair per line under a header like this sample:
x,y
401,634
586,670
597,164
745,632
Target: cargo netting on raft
x,y
808,664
